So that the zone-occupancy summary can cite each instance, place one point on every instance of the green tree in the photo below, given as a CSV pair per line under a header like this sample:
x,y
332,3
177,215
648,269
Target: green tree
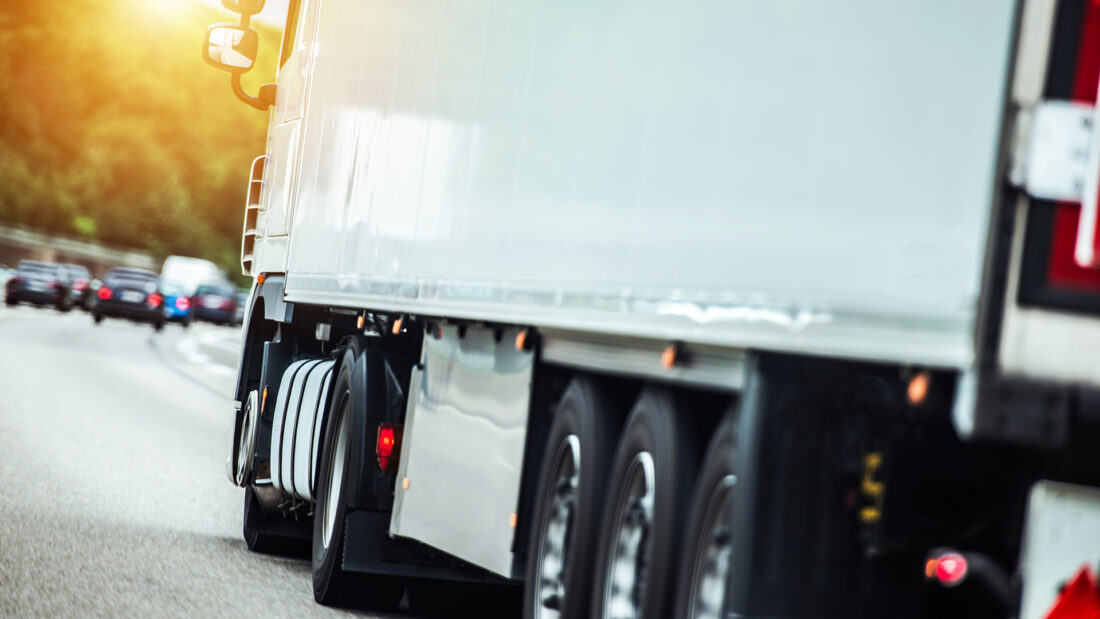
x,y
117,130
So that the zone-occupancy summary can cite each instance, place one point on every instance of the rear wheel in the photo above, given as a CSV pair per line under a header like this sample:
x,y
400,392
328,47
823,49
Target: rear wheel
x,y
709,543
572,482
158,326
97,318
331,584
648,495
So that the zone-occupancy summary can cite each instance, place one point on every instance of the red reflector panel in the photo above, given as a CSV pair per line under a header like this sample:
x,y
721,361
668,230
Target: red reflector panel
x,y
154,300
1063,271
1079,599
104,293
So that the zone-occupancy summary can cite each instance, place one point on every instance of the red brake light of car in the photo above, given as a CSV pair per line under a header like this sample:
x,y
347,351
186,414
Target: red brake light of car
x,y
182,304
16,281
80,284
104,293
387,446
154,300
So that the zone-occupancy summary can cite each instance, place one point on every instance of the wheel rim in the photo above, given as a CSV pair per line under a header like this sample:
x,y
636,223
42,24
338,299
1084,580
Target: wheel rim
x,y
553,550
245,443
710,573
336,474
628,563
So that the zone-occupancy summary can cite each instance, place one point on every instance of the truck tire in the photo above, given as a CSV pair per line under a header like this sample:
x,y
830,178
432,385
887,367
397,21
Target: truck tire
x,y
331,584
647,497
572,482
709,544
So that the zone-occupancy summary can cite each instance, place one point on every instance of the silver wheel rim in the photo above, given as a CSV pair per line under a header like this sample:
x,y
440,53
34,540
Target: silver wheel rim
x,y
628,563
553,550
336,474
245,443
713,552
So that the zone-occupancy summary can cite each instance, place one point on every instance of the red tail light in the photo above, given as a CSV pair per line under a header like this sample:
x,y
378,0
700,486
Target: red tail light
x,y
182,304
948,568
154,300
387,446
16,281
80,284
104,293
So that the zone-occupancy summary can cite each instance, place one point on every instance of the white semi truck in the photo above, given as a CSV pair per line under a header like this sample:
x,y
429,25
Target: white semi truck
x,y
708,308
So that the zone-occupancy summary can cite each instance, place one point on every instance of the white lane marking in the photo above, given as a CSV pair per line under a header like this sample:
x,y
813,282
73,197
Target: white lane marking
x,y
188,348
228,341
224,370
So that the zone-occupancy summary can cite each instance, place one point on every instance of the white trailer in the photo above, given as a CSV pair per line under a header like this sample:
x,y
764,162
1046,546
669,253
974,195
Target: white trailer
x,y
706,308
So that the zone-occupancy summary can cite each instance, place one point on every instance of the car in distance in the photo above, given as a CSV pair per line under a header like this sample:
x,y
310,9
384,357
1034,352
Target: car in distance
x,y
189,272
133,294
177,303
39,283
215,302
81,287
242,302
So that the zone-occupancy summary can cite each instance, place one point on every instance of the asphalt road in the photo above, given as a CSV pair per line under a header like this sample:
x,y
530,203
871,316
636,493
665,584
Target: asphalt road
x,y
113,496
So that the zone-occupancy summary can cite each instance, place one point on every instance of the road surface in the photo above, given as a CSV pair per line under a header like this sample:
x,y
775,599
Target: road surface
x,y
113,496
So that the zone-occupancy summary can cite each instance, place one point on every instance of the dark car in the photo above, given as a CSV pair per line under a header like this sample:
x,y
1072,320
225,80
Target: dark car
x,y
81,286
242,303
177,303
133,294
39,283
215,302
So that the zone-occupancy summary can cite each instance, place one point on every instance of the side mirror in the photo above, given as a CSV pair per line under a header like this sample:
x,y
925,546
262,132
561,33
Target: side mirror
x,y
244,7
230,47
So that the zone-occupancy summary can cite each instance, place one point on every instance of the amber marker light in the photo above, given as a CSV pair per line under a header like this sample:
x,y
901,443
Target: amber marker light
x,y
930,568
261,278
521,341
918,388
397,326
670,356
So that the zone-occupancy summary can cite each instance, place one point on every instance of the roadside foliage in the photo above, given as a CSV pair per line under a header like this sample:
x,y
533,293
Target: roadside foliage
x,y
115,129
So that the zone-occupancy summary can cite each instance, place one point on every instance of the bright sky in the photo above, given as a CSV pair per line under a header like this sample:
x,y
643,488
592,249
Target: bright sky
x,y
274,13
